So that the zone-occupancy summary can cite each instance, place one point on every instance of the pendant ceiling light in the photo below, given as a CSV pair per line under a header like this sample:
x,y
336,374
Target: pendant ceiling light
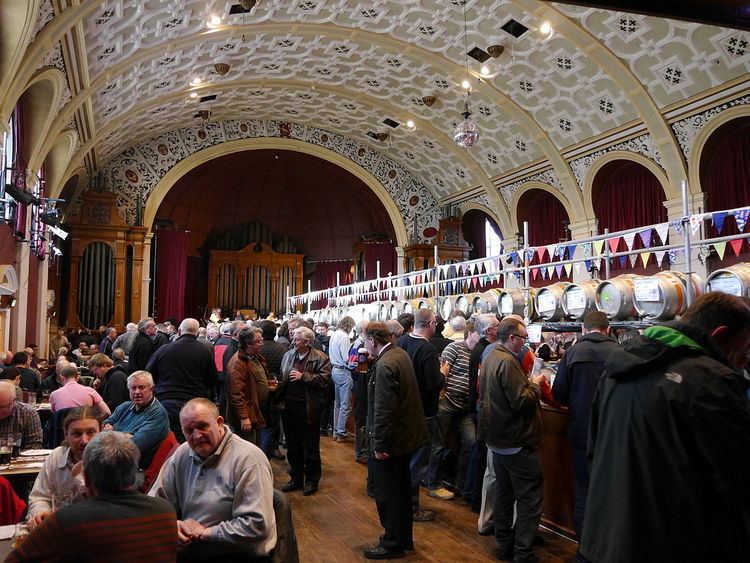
x,y
466,133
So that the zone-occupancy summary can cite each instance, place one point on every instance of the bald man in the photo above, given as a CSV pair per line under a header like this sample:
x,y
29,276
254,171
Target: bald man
x,y
182,370
17,417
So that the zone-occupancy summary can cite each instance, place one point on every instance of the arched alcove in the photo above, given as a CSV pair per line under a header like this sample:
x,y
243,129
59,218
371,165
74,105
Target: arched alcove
x,y
626,194
548,221
473,225
725,178
59,156
16,18
38,107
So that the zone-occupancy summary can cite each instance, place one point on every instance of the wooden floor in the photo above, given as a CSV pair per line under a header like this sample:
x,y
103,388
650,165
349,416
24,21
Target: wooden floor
x,y
340,519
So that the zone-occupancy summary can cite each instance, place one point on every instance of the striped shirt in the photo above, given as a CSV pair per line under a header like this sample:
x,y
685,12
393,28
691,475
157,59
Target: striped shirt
x,y
117,527
457,355
23,419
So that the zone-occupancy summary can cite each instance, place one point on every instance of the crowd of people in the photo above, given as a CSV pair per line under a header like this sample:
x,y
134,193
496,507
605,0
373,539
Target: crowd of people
x,y
658,429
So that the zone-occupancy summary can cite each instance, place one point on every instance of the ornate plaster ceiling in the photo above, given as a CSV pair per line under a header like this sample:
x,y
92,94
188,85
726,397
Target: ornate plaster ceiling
x,y
345,65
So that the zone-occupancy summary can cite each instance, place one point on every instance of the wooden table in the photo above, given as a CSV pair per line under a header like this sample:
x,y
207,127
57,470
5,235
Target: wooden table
x,y
23,466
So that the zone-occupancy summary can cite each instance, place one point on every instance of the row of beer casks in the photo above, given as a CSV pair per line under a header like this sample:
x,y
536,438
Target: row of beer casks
x,y
660,297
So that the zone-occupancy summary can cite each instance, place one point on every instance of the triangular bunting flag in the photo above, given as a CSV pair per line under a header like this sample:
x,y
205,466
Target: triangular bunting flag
x,y
569,268
677,226
695,223
514,257
663,231
552,249
598,245
628,238
736,245
659,257
672,256
558,270
720,248
588,264
633,260
578,267
571,250
623,260
646,237
550,271
718,219
741,218
534,273
540,253
645,257
614,243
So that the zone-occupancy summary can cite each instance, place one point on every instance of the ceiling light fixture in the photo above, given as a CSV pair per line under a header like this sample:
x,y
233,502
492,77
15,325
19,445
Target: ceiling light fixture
x,y
214,21
429,101
546,28
193,94
495,50
466,133
195,81
465,84
485,70
411,125
221,68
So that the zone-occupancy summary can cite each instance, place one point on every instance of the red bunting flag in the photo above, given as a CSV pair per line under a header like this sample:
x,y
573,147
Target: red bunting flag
x,y
614,243
737,245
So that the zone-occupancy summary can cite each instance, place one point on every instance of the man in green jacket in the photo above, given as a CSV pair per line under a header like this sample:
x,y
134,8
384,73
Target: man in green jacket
x,y
510,424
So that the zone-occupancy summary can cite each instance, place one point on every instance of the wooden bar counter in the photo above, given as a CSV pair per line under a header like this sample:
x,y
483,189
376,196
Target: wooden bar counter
x,y
554,454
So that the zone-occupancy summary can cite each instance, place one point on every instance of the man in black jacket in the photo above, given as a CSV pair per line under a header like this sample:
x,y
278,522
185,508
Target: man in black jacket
x,y
670,443
395,430
143,345
111,380
182,370
578,374
430,380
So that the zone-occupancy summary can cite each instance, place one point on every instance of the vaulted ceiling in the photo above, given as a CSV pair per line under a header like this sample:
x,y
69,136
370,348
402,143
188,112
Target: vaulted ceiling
x,y
346,66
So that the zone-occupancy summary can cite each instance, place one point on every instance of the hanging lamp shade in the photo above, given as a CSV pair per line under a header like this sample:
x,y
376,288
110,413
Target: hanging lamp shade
x,y
466,133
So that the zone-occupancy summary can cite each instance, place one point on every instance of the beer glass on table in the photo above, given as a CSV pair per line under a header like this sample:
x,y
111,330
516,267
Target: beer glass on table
x,y
15,440
6,449
20,534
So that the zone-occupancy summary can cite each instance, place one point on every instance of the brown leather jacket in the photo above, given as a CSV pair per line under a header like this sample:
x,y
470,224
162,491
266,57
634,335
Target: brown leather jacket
x,y
248,390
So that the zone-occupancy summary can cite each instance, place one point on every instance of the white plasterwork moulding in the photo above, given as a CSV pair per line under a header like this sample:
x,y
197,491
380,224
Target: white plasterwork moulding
x,y
687,129
643,145
548,177
138,169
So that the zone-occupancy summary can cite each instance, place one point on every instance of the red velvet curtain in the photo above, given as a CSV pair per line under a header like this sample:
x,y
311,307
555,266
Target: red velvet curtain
x,y
726,178
196,288
547,219
18,174
325,277
630,196
383,252
171,273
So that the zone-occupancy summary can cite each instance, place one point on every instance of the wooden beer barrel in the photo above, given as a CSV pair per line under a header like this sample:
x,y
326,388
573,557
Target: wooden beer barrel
x,y
663,296
579,299
549,301
734,280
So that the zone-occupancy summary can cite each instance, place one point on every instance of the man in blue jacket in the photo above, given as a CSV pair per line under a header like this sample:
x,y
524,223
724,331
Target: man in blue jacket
x,y
143,417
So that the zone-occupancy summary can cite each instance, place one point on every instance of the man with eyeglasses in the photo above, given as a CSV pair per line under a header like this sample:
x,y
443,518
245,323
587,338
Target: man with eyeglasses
x,y
510,424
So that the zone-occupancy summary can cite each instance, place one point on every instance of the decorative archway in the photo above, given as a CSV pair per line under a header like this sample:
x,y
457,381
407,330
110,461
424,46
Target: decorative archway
x,y
8,280
604,160
529,186
161,189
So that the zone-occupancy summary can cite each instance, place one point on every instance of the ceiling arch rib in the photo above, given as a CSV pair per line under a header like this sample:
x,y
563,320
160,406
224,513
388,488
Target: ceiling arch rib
x,y
638,95
144,124
526,124
15,83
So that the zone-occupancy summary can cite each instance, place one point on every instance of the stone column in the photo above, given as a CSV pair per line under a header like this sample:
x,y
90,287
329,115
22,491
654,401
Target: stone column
x,y
400,257
145,279
41,338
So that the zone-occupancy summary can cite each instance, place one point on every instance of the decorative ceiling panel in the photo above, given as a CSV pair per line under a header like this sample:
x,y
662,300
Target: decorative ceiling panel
x,y
672,59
